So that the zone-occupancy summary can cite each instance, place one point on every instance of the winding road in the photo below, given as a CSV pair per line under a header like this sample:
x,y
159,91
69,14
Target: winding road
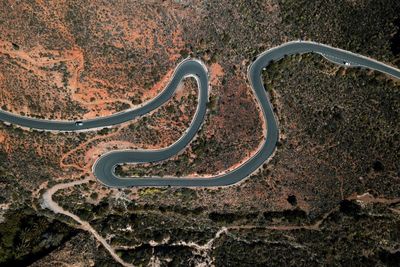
x,y
104,167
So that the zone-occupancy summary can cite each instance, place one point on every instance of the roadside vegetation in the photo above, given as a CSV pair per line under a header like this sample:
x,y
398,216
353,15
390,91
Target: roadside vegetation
x,y
330,168
367,27
333,180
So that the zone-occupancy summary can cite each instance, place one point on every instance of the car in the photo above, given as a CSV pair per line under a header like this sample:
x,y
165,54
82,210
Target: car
x,y
78,123
346,63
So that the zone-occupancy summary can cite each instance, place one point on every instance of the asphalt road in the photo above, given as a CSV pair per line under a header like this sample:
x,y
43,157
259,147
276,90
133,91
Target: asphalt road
x,y
187,67
104,167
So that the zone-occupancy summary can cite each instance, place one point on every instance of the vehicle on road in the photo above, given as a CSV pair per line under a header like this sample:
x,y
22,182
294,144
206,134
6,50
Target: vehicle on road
x,y
104,166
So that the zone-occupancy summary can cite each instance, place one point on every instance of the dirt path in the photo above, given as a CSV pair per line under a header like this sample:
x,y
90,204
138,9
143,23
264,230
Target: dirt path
x,y
49,203
80,91
86,167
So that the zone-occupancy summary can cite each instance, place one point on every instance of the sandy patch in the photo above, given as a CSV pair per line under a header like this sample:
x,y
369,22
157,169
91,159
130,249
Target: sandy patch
x,y
2,137
216,72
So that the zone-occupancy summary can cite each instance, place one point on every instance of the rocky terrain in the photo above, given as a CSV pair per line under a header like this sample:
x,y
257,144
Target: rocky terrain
x,y
329,196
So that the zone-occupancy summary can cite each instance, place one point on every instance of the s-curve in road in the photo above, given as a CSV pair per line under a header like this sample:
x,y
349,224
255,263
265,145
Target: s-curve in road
x,y
104,167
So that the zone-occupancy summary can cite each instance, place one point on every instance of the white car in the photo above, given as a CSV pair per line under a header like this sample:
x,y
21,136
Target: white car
x,y
78,123
347,64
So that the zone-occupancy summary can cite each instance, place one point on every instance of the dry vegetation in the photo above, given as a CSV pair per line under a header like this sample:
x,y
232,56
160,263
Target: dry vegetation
x,y
321,178
336,166
89,61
